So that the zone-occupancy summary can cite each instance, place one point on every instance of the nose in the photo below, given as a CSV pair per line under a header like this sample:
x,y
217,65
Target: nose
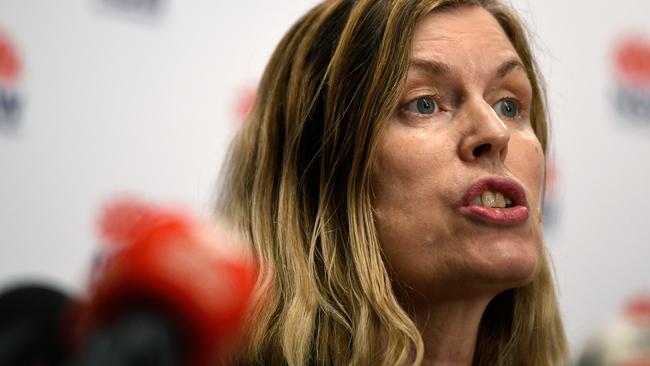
x,y
485,135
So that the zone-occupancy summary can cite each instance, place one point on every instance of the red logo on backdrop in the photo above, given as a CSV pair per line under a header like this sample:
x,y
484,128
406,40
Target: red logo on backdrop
x,y
632,72
9,64
244,103
633,61
10,69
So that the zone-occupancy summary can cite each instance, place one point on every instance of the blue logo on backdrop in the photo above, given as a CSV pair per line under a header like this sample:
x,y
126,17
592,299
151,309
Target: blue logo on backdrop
x,y
551,204
10,69
147,9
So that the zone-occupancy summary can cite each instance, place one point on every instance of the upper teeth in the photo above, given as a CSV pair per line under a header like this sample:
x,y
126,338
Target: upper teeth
x,y
492,199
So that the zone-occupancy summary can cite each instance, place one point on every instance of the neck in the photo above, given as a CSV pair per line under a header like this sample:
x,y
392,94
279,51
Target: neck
x,y
449,329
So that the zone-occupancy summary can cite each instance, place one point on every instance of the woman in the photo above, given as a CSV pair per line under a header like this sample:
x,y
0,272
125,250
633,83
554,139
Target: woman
x,y
390,178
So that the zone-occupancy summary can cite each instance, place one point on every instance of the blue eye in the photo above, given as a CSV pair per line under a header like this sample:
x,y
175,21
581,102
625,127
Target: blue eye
x,y
422,105
507,108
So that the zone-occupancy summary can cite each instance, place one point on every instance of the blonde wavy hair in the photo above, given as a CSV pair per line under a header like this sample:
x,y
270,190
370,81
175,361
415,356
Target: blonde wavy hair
x,y
297,184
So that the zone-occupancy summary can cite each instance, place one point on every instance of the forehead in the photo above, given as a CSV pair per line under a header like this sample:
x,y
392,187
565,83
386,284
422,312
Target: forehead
x,y
465,36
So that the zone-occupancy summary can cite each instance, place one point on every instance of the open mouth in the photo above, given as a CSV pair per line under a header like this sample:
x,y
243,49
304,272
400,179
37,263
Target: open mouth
x,y
496,200
492,199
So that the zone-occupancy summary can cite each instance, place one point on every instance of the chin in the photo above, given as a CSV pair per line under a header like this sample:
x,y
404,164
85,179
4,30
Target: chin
x,y
510,264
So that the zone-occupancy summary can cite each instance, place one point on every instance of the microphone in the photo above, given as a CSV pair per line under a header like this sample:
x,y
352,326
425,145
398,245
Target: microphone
x,y
168,285
31,317
167,290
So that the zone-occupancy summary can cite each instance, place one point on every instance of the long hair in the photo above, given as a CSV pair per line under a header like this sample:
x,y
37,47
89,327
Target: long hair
x,y
297,184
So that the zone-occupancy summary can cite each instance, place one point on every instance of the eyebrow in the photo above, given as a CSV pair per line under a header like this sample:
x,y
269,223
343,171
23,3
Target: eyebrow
x,y
508,66
436,68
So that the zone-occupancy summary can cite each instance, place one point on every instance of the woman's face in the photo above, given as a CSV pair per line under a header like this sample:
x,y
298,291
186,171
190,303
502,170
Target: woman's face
x,y
458,173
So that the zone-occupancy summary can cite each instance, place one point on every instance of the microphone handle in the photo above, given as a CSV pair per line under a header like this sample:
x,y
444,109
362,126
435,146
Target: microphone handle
x,y
136,339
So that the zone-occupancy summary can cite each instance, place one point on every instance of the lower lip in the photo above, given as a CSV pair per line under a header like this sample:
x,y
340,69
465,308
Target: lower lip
x,y
501,216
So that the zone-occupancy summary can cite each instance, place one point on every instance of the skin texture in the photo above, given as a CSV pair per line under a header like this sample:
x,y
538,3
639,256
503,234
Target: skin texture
x,y
449,265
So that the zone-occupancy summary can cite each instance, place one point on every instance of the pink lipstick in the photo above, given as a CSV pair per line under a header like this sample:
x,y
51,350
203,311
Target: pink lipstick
x,y
514,212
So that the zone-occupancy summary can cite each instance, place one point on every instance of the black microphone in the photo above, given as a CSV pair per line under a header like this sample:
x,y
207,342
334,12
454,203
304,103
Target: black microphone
x,y
38,325
31,323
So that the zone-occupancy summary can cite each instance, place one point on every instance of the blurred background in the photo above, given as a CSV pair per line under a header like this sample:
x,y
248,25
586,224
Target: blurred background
x,y
100,98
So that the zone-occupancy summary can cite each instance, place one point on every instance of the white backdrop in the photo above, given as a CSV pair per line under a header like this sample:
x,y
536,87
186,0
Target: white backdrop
x,y
142,96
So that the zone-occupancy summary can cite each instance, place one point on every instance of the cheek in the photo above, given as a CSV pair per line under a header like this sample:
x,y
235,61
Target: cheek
x,y
526,161
400,169
408,184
